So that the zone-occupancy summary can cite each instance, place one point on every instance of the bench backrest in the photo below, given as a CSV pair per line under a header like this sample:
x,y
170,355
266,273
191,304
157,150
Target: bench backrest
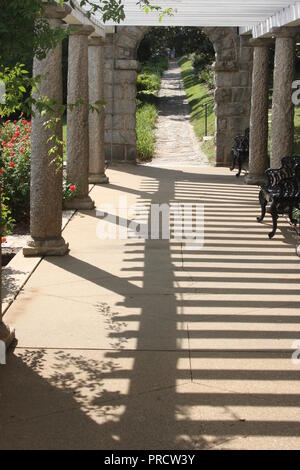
x,y
290,161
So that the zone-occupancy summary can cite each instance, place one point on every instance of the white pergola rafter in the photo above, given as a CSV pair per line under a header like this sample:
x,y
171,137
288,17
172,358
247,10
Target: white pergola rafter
x,y
288,16
233,13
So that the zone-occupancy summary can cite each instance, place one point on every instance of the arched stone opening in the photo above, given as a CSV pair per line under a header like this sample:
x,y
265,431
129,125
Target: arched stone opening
x,y
233,72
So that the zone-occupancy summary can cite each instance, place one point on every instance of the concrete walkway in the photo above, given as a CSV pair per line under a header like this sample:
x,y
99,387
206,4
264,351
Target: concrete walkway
x,y
176,141
134,344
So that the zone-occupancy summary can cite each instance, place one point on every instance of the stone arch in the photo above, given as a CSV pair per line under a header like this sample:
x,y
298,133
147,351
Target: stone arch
x,y
233,72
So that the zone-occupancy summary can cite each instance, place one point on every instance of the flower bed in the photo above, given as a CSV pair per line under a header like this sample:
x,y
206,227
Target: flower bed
x,y
15,175
15,172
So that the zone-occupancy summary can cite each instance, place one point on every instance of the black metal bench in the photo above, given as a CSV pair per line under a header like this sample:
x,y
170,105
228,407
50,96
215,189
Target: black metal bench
x,y
240,151
282,191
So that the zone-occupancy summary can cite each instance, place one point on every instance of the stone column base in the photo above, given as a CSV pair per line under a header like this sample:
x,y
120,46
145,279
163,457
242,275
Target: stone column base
x,y
56,247
98,179
6,334
81,203
255,180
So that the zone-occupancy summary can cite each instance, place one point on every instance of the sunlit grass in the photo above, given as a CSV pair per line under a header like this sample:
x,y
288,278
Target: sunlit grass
x,y
146,116
198,94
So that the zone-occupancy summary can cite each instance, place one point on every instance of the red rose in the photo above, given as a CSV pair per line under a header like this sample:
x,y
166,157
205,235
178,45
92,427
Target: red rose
x,y
21,149
12,165
73,188
12,153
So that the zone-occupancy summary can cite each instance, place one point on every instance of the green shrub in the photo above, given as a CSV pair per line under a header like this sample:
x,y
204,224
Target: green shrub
x,y
202,68
201,61
7,222
146,116
207,77
148,81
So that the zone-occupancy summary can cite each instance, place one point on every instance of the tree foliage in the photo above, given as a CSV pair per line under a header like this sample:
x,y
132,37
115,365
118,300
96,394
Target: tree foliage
x,y
185,40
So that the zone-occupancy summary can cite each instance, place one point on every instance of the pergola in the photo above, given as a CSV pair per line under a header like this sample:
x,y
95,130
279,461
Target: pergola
x,y
102,61
228,13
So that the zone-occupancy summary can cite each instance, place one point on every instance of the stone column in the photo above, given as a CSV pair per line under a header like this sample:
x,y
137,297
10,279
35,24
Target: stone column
x,y
78,118
233,71
96,119
259,112
46,176
282,129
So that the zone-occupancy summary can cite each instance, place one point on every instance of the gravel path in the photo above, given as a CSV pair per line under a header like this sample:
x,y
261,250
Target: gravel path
x,y
176,142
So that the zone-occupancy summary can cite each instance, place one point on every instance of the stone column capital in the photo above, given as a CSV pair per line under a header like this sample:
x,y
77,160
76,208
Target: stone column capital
x,y
96,41
261,42
81,30
56,12
285,32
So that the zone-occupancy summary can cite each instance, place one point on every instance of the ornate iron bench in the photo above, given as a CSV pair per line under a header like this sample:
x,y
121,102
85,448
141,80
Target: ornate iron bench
x,y
240,151
282,191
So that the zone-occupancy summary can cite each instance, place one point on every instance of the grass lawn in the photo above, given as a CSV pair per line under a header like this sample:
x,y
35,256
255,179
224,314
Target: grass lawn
x,y
146,116
198,94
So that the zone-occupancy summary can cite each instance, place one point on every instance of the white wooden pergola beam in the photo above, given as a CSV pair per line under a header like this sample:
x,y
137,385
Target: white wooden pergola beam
x,y
234,13
289,16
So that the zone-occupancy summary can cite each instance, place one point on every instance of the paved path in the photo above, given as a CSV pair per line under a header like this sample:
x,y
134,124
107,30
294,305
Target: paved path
x,y
176,142
140,344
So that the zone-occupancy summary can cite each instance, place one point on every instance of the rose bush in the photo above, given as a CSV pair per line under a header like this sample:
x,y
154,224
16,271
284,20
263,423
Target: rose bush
x,y
15,170
15,174
70,190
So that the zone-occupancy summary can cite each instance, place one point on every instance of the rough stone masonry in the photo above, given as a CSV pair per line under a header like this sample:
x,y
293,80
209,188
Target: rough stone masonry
x,y
233,74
